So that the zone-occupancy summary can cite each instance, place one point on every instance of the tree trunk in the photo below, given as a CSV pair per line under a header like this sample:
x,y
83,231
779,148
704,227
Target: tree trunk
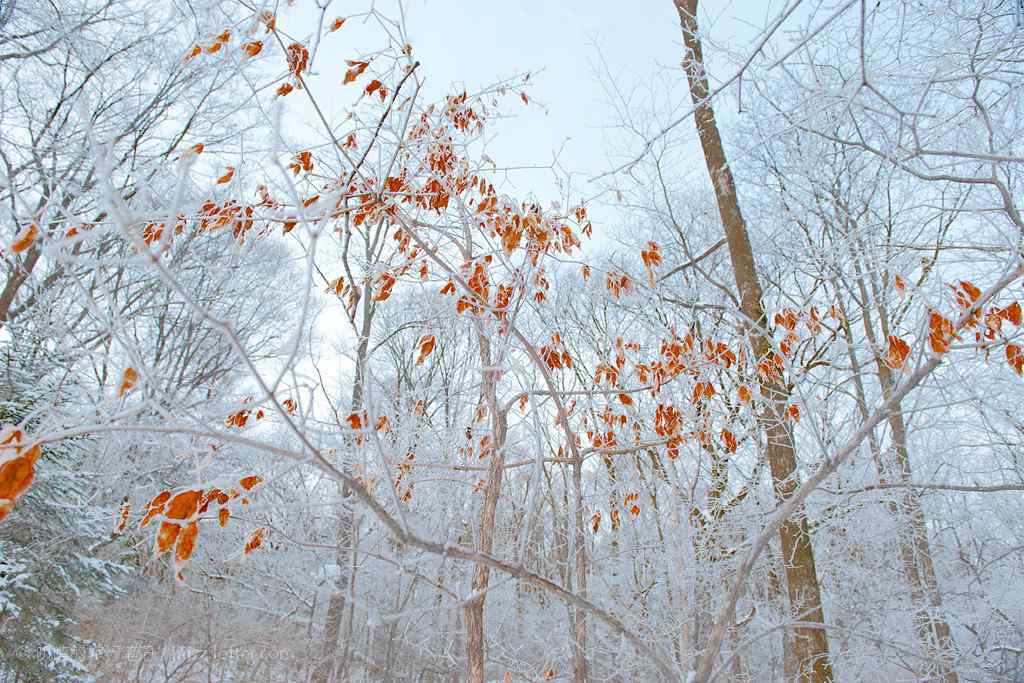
x,y
915,550
327,665
809,642
579,640
475,650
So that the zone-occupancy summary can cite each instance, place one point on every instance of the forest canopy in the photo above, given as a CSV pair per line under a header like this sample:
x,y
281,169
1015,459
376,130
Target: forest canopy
x,y
307,374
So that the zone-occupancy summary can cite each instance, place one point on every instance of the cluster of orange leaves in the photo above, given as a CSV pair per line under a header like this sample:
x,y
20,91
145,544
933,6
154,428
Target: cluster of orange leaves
x,y
181,513
240,418
405,468
631,503
554,355
942,331
303,162
651,258
296,54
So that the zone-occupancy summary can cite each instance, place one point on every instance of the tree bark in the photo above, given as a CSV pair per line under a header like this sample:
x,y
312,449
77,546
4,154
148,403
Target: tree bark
x,y
809,640
579,622
17,277
475,644
327,665
915,549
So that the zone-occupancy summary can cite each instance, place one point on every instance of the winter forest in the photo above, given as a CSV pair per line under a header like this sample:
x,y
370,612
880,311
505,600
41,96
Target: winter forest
x,y
687,348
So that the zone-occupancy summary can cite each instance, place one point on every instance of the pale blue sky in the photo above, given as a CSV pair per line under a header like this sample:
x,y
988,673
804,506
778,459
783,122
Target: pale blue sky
x,y
580,52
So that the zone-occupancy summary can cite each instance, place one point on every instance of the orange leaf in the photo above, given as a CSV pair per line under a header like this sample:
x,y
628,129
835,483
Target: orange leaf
x,y
1015,357
155,507
702,390
355,70
298,58
900,284
252,49
625,400
794,412
186,543
255,540
25,239
184,504
284,89
129,378
122,519
941,331
730,440
166,537
898,352
248,482
1013,313
16,475
386,281
197,148
744,394
972,292
269,20
336,24
223,516
426,348
228,173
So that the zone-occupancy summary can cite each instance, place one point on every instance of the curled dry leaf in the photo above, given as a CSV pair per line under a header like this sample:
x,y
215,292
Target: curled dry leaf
x,y
898,352
426,348
1015,357
269,20
166,537
186,543
249,482
730,441
129,378
17,468
155,507
25,239
252,49
298,59
255,540
184,504
122,519
356,68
